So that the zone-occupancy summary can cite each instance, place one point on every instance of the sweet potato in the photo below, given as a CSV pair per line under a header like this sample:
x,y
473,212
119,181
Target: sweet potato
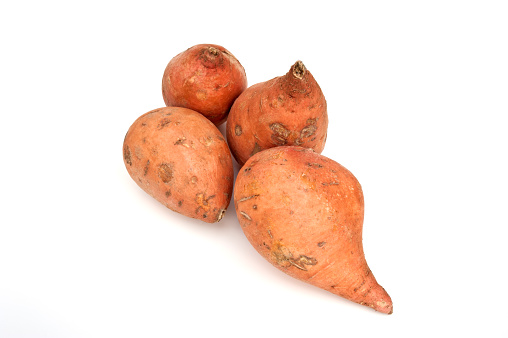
x,y
303,212
205,78
182,160
287,110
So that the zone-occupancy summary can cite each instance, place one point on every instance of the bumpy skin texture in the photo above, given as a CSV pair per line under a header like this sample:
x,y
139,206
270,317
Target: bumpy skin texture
x,y
303,212
287,110
205,78
181,159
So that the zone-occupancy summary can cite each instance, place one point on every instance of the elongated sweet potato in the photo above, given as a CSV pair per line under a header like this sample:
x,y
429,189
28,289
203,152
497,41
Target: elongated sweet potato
x,y
181,159
205,78
287,110
303,212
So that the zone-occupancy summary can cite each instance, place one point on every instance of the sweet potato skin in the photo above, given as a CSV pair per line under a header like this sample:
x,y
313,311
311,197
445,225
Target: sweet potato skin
x,y
182,160
304,214
287,110
206,78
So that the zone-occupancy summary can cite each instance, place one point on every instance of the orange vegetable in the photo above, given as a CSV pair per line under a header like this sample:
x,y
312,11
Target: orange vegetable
x,y
303,212
287,110
205,78
182,160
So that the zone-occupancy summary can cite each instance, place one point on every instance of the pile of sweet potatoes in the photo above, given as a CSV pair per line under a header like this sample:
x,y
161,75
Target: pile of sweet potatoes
x,y
302,211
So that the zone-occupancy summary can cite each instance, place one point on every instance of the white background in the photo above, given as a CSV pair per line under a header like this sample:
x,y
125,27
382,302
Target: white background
x,y
417,102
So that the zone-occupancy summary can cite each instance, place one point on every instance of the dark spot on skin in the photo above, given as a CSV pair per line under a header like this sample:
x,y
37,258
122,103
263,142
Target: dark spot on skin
x,y
308,131
204,215
280,134
247,169
168,193
330,183
321,244
359,286
165,172
238,130
145,171
164,122
143,124
127,155
180,203
144,139
254,207
316,165
243,199
256,149
182,141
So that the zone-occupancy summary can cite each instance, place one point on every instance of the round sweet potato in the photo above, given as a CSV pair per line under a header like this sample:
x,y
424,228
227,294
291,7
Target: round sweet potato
x,y
287,110
303,212
181,159
205,78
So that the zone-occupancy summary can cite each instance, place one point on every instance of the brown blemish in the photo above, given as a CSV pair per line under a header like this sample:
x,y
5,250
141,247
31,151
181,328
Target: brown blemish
x,y
145,170
180,203
280,133
317,165
163,123
330,183
168,193
238,130
321,244
308,131
246,198
194,179
359,286
256,149
254,207
183,141
165,172
127,155
282,255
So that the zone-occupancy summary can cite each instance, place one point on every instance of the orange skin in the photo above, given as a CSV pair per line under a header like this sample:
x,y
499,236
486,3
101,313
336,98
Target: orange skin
x,y
182,160
205,78
287,110
303,212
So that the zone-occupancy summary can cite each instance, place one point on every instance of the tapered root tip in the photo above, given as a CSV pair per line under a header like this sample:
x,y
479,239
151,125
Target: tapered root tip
x,y
384,307
381,301
299,69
